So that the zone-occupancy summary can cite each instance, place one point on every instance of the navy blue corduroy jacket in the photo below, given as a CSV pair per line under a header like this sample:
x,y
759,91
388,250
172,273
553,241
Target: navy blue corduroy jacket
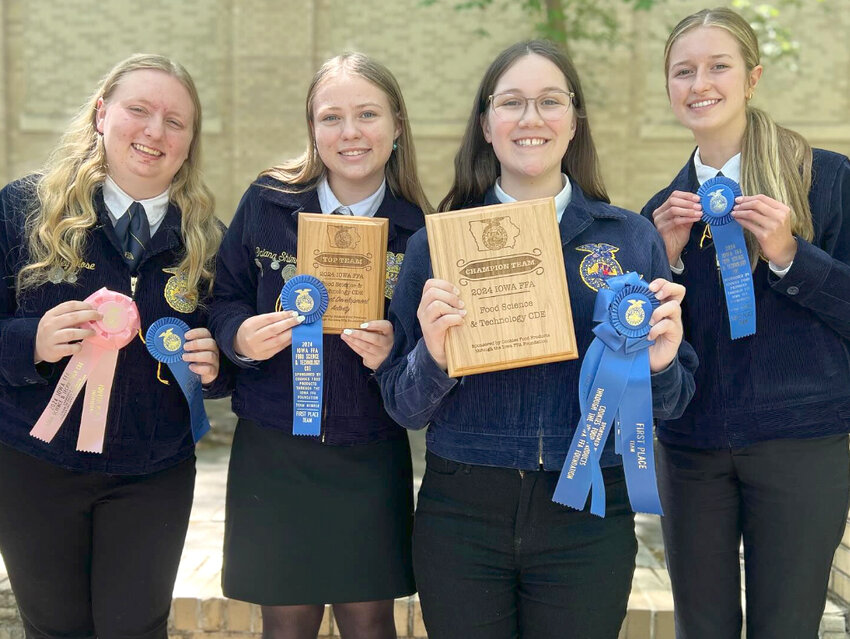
x,y
147,425
792,378
523,417
256,258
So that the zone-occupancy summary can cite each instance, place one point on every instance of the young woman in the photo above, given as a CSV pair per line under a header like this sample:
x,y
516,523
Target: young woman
x,y
762,451
494,556
327,519
92,541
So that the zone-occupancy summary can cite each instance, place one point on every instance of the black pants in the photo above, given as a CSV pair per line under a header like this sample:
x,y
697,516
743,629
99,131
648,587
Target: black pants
x,y
495,558
91,554
787,499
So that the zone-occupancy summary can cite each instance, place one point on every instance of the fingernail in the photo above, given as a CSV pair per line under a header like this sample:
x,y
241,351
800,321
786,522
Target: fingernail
x,y
364,325
348,331
462,311
301,318
461,304
293,313
456,291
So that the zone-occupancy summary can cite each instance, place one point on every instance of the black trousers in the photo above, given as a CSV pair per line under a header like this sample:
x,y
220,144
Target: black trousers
x,y
91,554
787,499
495,558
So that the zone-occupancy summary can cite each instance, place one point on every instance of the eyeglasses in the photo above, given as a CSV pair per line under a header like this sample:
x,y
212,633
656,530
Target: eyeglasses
x,y
510,107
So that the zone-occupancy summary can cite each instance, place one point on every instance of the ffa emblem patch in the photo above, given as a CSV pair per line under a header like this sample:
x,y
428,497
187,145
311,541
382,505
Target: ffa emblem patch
x,y
635,313
494,234
598,264
170,341
287,272
304,302
394,261
342,236
177,292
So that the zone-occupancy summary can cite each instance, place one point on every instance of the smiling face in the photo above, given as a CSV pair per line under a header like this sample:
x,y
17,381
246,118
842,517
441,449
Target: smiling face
x,y
147,131
708,83
530,150
354,128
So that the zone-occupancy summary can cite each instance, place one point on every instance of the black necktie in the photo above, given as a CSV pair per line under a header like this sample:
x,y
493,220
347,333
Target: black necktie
x,y
342,210
719,174
133,233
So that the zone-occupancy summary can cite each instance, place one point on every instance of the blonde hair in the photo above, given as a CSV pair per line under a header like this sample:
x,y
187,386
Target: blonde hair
x,y
302,173
63,214
775,161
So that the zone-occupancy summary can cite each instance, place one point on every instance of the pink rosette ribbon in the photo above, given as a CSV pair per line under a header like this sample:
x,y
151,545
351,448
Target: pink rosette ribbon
x,y
94,367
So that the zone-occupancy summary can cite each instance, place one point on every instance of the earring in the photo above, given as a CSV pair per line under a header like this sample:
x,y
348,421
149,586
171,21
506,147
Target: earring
x,y
395,145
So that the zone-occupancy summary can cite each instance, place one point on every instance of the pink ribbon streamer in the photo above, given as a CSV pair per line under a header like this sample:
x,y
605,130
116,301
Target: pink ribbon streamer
x,y
94,368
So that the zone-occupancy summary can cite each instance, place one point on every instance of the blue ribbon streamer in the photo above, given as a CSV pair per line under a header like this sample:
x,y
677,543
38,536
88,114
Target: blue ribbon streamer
x,y
614,387
718,198
307,295
165,339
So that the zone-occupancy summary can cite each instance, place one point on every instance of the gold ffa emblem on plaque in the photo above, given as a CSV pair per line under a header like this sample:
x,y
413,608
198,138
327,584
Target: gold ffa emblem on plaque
x,y
341,236
177,292
598,265
170,341
304,302
494,234
635,313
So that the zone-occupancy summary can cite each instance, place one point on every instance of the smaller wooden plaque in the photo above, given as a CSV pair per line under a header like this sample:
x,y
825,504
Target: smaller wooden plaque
x,y
349,255
508,263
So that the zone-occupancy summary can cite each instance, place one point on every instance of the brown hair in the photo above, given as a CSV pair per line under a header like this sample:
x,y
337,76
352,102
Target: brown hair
x,y
476,164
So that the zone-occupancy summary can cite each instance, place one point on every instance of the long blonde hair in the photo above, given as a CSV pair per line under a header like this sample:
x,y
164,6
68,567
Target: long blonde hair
x,y
775,161
63,214
302,173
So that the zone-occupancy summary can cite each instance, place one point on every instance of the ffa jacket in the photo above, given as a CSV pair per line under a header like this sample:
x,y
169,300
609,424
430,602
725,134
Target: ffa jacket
x,y
147,425
257,257
525,417
792,378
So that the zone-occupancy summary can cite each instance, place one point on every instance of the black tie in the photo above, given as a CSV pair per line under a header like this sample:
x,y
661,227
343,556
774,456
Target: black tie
x,y
342,210
719,174
133,233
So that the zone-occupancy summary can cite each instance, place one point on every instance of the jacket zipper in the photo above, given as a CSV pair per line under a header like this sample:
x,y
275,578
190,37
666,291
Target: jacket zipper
x,y
540,447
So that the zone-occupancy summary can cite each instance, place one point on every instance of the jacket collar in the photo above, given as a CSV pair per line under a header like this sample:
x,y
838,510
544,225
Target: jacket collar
x,y
686,179
400,212
579,214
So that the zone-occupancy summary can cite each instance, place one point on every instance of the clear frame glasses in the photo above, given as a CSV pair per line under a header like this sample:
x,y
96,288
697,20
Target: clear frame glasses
x,y
552,105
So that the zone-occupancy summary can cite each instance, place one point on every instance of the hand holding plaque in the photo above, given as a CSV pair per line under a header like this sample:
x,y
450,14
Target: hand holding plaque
x,y
507,262
348,254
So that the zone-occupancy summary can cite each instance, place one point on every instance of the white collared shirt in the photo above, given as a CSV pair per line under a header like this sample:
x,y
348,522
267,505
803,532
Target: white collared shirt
x,y
732,170
562,200
329,203
117,202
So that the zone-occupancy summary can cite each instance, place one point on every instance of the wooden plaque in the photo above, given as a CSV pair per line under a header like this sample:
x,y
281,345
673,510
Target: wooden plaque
x,y
349,255
508,263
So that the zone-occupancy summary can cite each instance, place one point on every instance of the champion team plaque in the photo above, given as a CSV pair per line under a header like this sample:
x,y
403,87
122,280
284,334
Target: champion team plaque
x,y
349,255
508,264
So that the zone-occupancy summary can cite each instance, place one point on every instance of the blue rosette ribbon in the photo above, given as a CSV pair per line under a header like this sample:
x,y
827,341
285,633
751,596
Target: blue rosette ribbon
x,y
165,339
615,387
307,295
718,197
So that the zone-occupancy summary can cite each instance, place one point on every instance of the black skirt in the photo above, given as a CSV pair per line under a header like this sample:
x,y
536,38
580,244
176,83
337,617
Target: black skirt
x,y
308,523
